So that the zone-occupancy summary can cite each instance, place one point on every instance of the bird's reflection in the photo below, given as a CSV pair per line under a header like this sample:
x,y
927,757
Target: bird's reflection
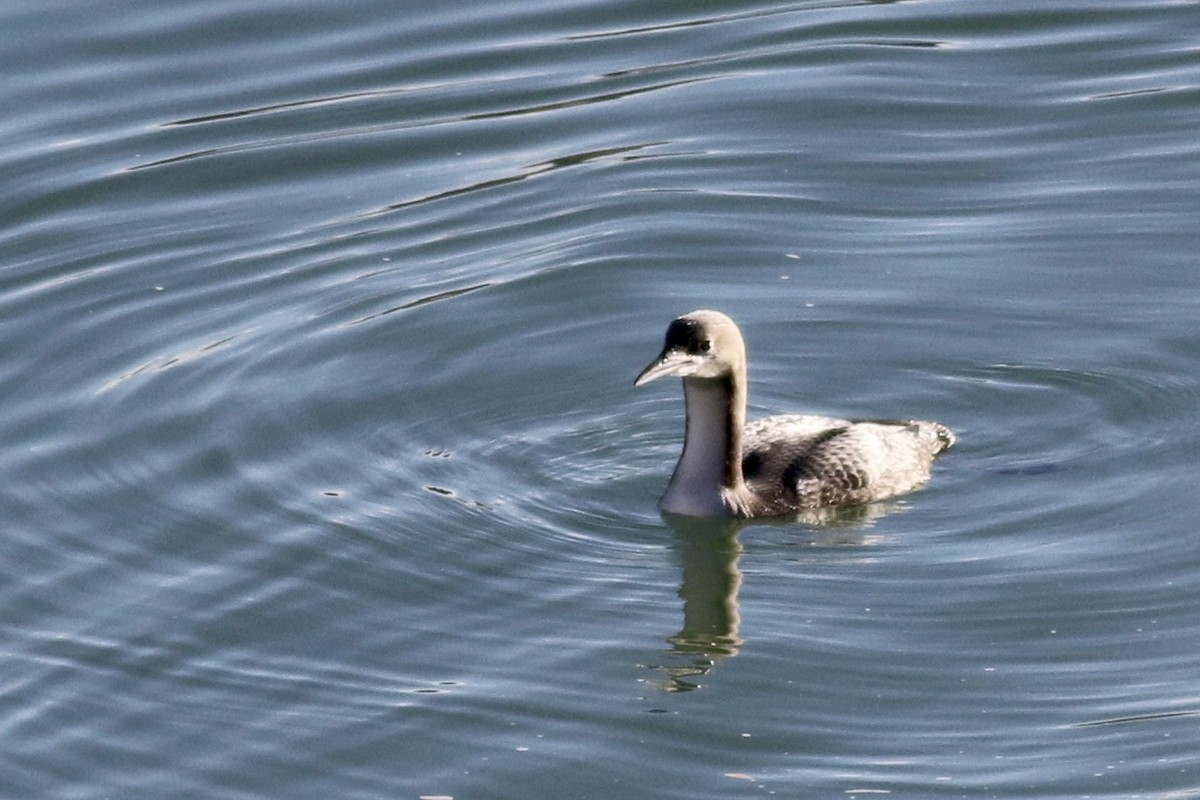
x,y
708,551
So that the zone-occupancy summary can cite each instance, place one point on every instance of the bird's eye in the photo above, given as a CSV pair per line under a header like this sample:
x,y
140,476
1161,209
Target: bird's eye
x,y
705,345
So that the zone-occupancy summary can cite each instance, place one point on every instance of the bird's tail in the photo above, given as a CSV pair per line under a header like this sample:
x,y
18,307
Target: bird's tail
x,y
944,435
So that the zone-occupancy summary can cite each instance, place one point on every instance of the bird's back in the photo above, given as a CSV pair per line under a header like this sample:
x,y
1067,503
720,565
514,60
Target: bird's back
x,y
798,461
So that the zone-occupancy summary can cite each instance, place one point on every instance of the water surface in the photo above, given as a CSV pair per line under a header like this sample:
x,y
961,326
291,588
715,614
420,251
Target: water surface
x,y
323,472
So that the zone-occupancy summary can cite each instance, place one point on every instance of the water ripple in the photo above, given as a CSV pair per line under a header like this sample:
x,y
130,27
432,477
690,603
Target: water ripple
x,y
1095,411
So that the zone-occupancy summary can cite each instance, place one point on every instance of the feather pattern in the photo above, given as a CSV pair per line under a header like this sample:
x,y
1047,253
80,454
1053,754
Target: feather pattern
x,y
796,461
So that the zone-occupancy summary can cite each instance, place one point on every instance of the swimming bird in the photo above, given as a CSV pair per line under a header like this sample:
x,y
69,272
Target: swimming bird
x,y
780,464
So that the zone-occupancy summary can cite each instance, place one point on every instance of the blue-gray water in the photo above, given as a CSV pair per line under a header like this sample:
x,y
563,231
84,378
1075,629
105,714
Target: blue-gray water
x,y
323,477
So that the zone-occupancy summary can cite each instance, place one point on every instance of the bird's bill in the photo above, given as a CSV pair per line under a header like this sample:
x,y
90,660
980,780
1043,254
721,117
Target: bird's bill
x,y
670,362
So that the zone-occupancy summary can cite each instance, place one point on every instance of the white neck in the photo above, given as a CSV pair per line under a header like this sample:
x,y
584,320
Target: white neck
x,y
710,466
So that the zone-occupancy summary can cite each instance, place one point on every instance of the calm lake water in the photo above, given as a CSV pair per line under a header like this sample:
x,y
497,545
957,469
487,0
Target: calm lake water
x,y
322,471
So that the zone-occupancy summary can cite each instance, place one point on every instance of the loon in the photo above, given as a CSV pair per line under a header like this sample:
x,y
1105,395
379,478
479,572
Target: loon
x,y
782,464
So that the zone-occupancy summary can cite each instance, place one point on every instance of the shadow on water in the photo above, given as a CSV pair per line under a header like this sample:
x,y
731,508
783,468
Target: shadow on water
x,y
708,551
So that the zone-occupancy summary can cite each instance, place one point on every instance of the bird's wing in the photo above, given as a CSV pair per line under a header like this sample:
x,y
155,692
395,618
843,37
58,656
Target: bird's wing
x,y
821,461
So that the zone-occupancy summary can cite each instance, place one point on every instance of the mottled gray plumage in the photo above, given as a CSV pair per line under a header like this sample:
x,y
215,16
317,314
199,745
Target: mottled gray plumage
x,y
781,464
